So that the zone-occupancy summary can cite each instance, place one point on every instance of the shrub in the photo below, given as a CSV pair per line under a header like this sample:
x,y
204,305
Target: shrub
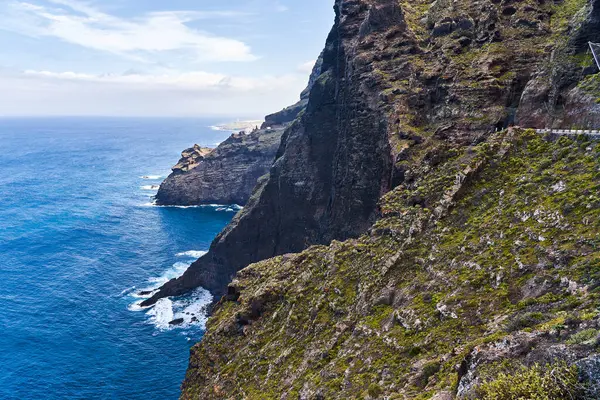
x,y
525,321
374,390
583,336
552,382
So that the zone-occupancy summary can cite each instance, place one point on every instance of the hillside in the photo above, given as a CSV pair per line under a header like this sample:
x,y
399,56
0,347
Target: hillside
x,y
434,248
495,265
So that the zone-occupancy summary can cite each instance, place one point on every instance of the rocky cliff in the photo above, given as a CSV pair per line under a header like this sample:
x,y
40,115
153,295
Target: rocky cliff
x,y
451,253
229,173
396,80
225,175
488,288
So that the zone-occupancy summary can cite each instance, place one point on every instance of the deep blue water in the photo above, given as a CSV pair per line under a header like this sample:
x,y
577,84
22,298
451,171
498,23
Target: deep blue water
x,y
77,234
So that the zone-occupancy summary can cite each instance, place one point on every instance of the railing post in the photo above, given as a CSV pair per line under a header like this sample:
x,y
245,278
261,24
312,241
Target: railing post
x,y
594,54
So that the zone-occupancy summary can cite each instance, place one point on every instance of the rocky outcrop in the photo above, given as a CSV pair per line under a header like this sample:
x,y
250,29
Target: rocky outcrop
x,y
468,251
225,175
229,173
491,272
333,165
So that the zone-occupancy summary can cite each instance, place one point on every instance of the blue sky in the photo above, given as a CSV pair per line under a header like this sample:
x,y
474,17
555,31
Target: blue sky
x,y
157,57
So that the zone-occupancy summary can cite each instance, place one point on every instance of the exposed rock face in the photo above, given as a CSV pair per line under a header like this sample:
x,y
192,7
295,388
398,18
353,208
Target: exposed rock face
x,y
333,165
225,175
436,299
391,87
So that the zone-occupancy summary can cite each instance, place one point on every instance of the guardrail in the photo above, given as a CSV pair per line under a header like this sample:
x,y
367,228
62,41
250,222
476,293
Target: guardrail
x,y
573,132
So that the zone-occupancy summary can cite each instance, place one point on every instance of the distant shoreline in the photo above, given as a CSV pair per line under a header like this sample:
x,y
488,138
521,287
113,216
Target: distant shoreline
x,y
238,126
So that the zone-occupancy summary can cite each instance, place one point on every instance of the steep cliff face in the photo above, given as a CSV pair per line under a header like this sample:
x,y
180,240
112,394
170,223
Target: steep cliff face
x,y
332,166
225,175
469,252
399,80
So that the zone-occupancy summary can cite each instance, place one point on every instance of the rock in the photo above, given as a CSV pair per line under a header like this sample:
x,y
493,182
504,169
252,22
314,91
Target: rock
x,y
190,158
445,395
312,189
177,321
589,371
225,175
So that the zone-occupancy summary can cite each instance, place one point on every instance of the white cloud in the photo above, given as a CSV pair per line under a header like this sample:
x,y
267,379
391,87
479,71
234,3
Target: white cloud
x,y
281,7
307,67
153,33
135,94
186,81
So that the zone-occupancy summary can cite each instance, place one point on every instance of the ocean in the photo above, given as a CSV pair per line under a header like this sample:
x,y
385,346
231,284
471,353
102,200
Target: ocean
x,y
79,239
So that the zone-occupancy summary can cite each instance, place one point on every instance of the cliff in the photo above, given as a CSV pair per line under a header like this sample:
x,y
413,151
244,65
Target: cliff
x,y
225,175
395,81
438,254
229,173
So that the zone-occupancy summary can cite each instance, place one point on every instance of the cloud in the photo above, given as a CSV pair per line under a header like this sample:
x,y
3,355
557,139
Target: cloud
x,y
307,67
199,93
197,81
281,7
151,34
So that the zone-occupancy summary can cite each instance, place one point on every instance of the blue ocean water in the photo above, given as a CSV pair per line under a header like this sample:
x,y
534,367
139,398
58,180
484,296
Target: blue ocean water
x,y
78,240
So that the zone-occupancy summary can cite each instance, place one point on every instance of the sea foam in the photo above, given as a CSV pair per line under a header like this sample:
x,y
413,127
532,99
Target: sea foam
x,y
162,313
192,253
216,207
192,308
172,273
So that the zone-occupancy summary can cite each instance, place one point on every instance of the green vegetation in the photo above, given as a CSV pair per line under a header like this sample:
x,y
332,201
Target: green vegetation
x,y
492,244
585,336
551,382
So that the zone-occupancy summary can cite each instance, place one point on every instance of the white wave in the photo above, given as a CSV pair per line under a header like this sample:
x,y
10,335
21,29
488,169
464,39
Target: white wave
x,y
193,308
151,177
128,290
137,306
217,207
148,292
162,313
172,273
150,187
192,253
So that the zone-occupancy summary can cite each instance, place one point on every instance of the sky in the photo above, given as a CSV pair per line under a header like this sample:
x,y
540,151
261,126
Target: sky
x,y
199,58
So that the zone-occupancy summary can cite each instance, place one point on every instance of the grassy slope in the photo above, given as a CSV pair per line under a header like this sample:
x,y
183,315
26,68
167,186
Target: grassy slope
x,y
496,241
